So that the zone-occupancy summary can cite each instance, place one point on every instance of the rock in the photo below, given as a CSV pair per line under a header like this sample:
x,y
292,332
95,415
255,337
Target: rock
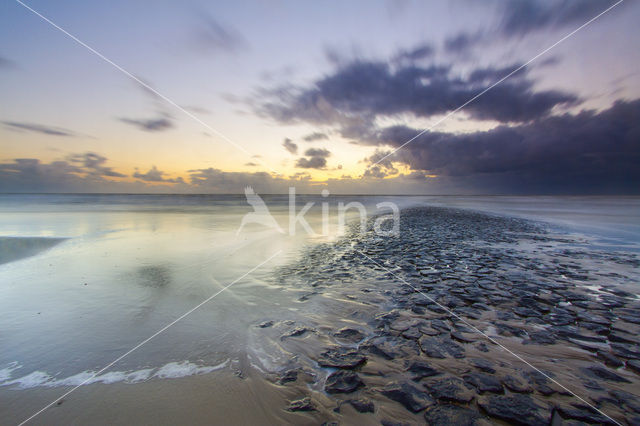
x,y
482,347
265,324
437,347
609,359
517,409
588,416
349,335
303,404
412,398
339,357
449,414
390,347
461,338
450,389
343,381
540,338
484,382
626,351
288,376
634,366
296,332
362,405
516,385
412,333
421,369
482,365
605,374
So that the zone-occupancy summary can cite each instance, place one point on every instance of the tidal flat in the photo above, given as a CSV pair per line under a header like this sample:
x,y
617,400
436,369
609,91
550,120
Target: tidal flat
x,y
464,318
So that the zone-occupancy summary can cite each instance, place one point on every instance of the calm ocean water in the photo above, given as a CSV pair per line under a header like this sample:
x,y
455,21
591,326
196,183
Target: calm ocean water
x,y
126,265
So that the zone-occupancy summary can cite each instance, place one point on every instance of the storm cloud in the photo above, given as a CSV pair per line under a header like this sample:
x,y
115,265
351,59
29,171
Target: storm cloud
x,y
364,90
587,152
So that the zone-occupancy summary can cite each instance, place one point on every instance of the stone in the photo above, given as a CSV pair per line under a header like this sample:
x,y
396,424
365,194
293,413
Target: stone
x,y
484,382
265,324
390,347
343,381
588,416
516,385
517,409
362,405
304,404
450,389
421,369
609,359
482,365
605,374
634,366
288,376
339,357
449,414
349,334
412,398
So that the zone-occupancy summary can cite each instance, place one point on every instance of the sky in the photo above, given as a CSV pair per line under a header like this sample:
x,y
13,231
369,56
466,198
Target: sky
x,y
358,97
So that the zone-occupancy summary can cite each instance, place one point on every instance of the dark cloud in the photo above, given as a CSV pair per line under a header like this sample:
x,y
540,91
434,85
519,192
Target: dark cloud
x,y
464,42
316,136
213,35
422,51
590,152
524,16
317,159
290,146
355,94
150,125
317,152
311,163
155,175
39,128
93,164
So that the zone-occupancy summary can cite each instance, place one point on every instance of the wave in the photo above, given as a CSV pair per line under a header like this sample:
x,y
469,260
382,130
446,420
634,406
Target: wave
x,y
171,370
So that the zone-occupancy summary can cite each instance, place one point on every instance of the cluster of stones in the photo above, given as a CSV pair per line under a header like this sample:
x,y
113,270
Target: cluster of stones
x,y
459,289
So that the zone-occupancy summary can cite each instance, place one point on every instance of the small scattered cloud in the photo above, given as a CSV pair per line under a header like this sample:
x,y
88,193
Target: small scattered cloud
x,y
251,164
155,175
316,159
38,128
317,152
316,136
150,125
93,164
213,35
290,146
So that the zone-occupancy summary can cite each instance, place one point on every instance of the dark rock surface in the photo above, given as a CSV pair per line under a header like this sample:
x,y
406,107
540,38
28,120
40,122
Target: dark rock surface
x,y
413,398
343,381
517,409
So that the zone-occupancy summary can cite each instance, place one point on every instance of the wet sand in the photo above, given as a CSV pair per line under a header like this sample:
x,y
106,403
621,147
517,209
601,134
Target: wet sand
x,y
374,346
